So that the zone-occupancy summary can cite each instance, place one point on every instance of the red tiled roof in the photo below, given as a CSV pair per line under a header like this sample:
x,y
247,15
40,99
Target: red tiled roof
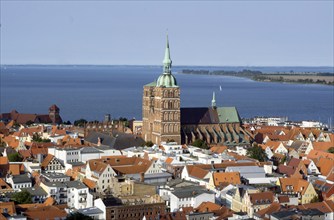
x,y
169,160
298,185
261,198
207,207
15,169
38,212
274,207
325,166
324,206
9,206
90,183
47,160
197,172
316,154
226,178
322,146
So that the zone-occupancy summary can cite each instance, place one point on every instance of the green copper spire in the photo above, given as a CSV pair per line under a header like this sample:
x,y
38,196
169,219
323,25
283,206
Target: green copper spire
x,y
167,79
213,102
167,61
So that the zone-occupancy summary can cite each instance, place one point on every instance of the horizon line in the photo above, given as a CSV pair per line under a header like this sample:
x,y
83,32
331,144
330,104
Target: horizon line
x,y
161,65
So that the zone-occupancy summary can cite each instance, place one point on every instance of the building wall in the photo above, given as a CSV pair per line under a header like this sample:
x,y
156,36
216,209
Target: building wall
x,y
54,166
309,194
89,156
78,198
177,203
161,114
133,212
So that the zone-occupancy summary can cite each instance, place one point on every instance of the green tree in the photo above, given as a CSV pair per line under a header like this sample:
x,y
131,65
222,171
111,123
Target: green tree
x,y
14,157
81,122
37,138
331,150
200,143
315,199
283,160
256,152
23,197
78,216
149,143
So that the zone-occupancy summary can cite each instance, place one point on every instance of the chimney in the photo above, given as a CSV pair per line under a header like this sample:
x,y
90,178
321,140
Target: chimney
x,y
142,177
98,141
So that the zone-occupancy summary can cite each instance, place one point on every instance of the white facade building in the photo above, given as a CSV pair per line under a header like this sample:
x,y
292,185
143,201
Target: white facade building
x,y
19,181
189,197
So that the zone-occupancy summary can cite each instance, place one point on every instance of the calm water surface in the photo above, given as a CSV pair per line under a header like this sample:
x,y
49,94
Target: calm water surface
x,y
91,91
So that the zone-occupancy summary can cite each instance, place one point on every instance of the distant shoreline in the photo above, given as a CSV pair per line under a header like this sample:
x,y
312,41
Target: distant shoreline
x,y
283,77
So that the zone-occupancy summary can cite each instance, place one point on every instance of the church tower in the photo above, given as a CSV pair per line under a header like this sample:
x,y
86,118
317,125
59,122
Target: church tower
x,y
161,106
54,114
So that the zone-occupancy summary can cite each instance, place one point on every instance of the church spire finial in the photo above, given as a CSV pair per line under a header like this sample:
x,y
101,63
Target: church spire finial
x,y
167,61
213,102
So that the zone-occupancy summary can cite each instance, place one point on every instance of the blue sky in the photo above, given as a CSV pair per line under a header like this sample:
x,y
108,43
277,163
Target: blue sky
x,y
220,33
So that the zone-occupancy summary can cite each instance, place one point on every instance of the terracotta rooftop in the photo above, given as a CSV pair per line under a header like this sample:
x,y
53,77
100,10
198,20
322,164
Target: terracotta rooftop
x,y
16,169
326,206
207,207
273,145
261,198
47,160
274,207
293,185
218,149
169,160
322,146
53,212
90,183
325,166
316,154
223,179
283,199
9,207
197,172
4,186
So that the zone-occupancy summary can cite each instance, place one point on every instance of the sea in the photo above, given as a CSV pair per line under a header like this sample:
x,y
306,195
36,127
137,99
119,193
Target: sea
x,y
90,92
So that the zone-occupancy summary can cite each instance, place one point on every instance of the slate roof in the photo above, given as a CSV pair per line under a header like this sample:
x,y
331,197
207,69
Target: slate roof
x,y
208,115
118,141
54,175
21,179
54,184
75,184
36,191
283,214
87,150
90,211
190,192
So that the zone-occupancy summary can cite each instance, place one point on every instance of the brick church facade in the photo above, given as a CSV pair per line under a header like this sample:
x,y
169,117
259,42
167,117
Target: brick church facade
x,y
161,107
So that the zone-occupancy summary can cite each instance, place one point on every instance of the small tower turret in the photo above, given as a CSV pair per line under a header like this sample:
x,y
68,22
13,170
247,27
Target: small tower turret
x,y
213,102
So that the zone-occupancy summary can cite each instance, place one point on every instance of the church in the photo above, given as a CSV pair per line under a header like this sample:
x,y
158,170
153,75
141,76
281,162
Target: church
x,y
165,121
